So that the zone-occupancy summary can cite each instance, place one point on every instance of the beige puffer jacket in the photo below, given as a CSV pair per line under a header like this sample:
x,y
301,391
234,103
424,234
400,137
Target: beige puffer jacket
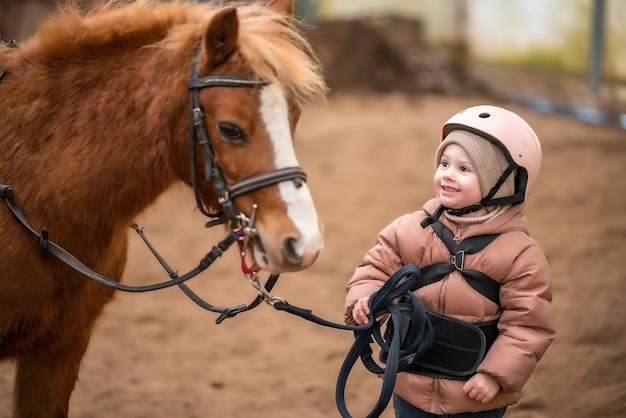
x,y
516,261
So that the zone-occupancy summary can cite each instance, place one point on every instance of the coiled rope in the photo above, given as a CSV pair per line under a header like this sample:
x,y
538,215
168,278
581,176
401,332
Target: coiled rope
x,y
398,354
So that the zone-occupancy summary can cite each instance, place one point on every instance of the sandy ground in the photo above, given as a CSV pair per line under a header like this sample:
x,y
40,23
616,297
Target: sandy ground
x,y
369,159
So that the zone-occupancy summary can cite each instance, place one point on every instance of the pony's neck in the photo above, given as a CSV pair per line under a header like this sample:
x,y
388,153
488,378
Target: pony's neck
x,y
102,133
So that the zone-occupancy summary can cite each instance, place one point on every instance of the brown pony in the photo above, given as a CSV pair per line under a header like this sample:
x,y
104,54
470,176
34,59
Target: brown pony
x,y
95,125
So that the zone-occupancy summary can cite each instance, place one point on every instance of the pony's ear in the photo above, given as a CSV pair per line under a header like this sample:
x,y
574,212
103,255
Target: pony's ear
x,y
220,39
284,7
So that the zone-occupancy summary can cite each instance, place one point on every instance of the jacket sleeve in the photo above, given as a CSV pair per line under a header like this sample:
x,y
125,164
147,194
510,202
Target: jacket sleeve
x,y
380,262
527,323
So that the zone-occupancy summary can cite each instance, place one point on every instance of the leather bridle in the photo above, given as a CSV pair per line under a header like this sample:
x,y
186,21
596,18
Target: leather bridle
x,y
199,132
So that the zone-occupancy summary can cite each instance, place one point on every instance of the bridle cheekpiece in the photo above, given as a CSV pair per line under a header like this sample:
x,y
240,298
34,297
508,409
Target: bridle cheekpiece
x,y
198,131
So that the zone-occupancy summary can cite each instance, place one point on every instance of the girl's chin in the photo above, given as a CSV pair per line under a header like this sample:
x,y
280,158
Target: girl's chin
x,y
449,203
453,205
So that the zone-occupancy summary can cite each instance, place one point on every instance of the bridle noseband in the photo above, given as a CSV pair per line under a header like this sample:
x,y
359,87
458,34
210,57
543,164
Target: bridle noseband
x,y
198,130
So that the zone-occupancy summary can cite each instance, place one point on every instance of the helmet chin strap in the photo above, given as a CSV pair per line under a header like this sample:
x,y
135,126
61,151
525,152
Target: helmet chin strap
x,y
464,211
488,200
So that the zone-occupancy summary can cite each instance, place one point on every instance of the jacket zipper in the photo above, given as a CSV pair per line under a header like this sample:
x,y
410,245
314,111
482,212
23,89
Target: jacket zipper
x,y
458,233
434,404
442,292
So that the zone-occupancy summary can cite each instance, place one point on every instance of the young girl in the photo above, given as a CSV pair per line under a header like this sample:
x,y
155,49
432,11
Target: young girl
x,y
480,271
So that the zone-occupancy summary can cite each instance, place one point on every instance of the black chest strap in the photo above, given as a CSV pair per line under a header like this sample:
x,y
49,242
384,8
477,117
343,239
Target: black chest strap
x,y
478,280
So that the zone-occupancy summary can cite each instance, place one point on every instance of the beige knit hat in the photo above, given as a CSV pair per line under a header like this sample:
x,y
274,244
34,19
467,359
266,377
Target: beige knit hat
x,y
487,158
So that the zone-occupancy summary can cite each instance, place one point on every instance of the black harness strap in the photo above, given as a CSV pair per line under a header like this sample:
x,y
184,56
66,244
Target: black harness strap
x,y
472,245
458,346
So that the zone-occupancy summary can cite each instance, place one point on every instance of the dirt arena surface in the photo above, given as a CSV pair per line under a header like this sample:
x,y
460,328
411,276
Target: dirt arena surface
x,y
369,159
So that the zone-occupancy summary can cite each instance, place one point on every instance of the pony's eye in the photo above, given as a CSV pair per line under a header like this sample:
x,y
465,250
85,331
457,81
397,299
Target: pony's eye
x,y
231,132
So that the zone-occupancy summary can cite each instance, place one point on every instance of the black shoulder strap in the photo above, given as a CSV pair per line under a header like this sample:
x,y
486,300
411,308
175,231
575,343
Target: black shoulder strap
x,y
445,235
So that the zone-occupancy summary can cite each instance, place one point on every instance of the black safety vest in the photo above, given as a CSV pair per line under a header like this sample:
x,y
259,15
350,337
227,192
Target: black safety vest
x,y
458,346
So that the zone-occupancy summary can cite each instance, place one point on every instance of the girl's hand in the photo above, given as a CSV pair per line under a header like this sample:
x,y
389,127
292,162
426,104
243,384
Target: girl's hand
x,y
482,387
360,310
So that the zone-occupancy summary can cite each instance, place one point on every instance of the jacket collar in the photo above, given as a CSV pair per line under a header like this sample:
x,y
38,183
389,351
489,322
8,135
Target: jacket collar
x,y
513,219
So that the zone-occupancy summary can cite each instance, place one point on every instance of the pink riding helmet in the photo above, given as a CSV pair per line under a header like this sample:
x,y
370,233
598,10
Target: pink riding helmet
x,y
507,130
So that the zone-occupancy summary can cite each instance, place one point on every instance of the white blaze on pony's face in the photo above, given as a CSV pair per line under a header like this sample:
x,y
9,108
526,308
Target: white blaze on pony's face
x,y
250,128
300,251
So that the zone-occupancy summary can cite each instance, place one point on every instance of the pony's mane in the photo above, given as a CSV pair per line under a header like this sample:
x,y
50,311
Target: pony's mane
x,y
275,49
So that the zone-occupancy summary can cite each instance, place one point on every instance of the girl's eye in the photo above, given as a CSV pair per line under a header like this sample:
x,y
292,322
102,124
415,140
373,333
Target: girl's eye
x,y
231,132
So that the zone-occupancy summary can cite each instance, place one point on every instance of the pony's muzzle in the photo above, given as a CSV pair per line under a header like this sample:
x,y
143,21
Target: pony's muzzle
x,y
293,254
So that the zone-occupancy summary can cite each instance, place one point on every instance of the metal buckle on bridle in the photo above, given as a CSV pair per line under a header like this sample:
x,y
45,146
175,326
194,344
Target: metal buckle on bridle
x,y
246,230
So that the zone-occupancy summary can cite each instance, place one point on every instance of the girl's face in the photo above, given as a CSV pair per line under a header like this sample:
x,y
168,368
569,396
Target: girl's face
x,y
456,182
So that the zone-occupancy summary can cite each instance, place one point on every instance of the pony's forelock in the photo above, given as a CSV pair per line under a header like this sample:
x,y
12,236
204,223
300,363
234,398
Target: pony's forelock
x,y
278,52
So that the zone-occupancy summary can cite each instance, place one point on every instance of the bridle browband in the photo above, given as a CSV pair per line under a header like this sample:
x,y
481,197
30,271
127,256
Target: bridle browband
x,y
198,130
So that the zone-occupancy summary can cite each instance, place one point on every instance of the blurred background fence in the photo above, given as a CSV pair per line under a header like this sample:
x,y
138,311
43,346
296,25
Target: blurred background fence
x,y
556,56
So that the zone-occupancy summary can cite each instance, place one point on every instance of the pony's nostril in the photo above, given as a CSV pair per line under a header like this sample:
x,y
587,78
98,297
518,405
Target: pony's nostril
x,y
290,251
